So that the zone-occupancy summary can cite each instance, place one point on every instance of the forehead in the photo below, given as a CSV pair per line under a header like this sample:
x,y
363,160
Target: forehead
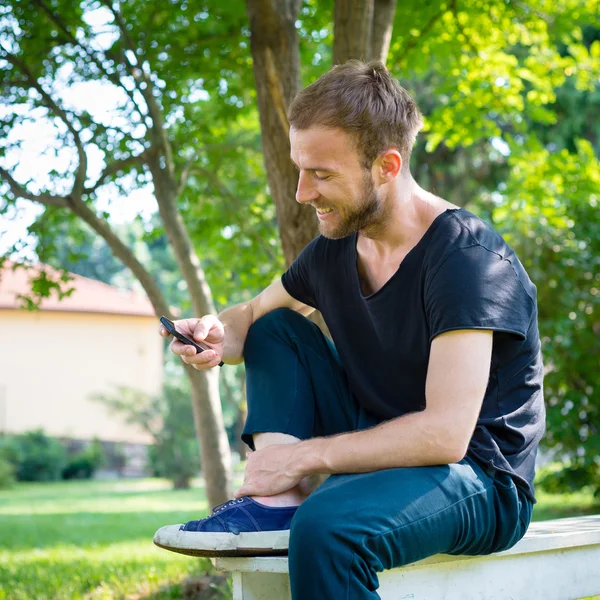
x,y
324,146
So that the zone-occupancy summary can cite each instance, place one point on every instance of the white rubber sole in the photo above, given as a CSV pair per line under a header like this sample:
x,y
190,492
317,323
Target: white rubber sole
x,y
193,543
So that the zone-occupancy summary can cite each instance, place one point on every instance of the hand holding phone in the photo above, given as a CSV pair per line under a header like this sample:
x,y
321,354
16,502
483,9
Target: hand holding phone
x,y
184,339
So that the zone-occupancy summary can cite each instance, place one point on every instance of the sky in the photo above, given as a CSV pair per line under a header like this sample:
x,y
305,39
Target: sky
x,y
35,157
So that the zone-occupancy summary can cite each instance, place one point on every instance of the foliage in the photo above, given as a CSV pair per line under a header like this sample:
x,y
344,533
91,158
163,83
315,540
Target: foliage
x,y
203,85
7,473
84,464
510,95
552,221
557,478
168,418
35,456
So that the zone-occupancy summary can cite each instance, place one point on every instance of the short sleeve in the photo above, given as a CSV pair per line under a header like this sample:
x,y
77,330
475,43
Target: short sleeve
x,y
298,280
475,288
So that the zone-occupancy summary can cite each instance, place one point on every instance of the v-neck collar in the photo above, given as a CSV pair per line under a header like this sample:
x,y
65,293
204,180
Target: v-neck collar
x,y
422,241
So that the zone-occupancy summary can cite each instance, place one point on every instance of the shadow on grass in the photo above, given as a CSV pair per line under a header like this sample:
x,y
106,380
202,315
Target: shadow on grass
x,y
84,529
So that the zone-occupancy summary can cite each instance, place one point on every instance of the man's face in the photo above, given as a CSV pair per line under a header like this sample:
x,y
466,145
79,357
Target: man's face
x,y
333,181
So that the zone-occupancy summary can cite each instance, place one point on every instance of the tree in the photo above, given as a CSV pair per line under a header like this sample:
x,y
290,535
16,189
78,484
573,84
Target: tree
x,y
50,46
362,30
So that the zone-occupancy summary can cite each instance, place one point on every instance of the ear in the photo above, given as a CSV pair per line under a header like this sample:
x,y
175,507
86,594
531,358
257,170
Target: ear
x,y
388,165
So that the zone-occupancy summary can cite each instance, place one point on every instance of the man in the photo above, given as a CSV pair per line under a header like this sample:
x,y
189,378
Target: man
x,y
427,411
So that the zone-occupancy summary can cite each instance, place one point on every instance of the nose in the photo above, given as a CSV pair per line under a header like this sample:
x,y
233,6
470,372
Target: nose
x,y
306,191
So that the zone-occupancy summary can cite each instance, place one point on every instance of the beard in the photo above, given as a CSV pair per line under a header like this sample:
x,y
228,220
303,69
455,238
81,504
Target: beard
x,y
368,214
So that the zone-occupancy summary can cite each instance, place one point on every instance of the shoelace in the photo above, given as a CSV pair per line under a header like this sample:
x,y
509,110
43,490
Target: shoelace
x,y
222,506
226,504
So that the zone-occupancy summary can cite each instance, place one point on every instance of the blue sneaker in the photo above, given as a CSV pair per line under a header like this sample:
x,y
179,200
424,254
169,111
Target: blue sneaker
x,y
240,527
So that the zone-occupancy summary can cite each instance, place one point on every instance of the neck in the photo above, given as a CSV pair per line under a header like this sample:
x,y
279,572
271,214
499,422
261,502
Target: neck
x,y
408,211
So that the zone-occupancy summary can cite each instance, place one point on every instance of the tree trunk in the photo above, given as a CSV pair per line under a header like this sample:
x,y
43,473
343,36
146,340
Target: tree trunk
x,y
206,401
352,27
362,29
181,482
383,24
208,416
241,420
276,59
214,446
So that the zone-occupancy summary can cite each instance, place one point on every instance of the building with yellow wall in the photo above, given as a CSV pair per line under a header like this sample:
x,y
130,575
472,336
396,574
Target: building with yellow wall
x,y
52,361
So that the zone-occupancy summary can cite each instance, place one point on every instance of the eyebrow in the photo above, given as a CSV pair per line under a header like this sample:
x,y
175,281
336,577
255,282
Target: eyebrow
x,y
313,169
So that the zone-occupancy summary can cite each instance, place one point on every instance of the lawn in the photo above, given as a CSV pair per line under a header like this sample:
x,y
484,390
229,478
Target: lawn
x,y
93,540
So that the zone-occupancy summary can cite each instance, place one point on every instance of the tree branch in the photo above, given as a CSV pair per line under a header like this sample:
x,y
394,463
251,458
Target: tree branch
x,y
112,77
21,192
80,175
145,87
120,250
115,167
123,253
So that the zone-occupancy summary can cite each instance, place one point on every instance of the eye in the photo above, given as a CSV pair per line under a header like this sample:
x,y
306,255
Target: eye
x,y
321,178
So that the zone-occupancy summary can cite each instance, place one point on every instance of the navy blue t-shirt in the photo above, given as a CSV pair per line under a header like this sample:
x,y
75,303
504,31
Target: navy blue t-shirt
x,y
460,275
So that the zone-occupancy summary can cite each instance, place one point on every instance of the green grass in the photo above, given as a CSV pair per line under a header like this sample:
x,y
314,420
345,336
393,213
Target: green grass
x,y
558,506
93,540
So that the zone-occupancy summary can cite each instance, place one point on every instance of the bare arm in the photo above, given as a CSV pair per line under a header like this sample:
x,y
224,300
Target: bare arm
x,y
457,377
237,319
226,334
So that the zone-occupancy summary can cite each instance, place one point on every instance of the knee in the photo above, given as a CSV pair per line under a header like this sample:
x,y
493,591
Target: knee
x,y
277,324
272,320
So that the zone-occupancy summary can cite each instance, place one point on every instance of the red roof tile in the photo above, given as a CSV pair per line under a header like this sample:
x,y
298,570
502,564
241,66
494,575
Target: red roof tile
x,y
89,296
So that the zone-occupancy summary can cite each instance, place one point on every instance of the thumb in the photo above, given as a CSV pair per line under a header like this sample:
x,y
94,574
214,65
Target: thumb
x,y
209,324
245,490
201,330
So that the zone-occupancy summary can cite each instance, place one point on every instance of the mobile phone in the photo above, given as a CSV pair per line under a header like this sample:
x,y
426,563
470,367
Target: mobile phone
x,y
184,339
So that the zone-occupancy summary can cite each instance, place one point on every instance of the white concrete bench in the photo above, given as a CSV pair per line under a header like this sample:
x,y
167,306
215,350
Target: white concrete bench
x,y
556,560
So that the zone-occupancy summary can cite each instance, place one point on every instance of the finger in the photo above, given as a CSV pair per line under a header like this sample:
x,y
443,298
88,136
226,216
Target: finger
x,y
245,490
182,349
205,325
204,360
163,332
187,326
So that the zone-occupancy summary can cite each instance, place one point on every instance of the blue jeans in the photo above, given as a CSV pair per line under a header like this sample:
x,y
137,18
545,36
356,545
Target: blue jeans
x,y
356,525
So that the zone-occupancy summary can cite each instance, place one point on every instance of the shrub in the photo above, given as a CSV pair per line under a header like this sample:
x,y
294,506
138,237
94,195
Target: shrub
x,y
38,457
7,473
169,419
84,464
570,476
